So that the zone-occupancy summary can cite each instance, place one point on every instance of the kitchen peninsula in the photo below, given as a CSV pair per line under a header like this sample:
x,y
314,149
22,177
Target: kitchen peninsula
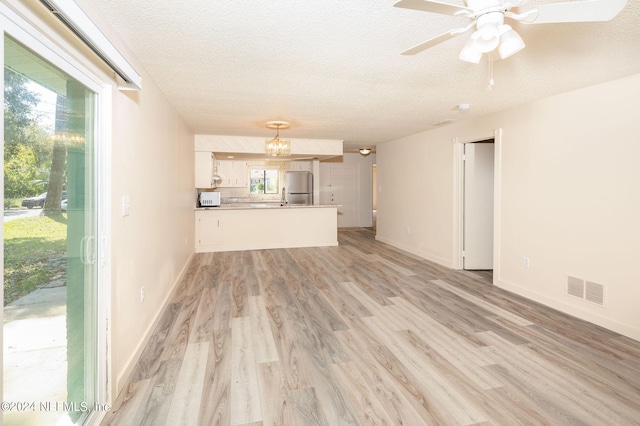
x,y
254,226
224,163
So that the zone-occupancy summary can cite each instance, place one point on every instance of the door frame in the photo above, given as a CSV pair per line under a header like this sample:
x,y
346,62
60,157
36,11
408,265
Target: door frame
x,y
458,199
19,26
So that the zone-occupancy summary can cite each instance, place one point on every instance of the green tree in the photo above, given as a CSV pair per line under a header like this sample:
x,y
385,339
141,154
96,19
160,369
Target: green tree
x,y
27,152
19,104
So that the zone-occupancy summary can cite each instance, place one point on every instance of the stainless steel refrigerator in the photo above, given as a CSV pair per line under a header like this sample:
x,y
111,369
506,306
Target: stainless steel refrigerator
x,y
298,188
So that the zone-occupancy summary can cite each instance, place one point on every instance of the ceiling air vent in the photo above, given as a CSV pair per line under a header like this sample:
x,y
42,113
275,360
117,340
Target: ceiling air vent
x,y
442,122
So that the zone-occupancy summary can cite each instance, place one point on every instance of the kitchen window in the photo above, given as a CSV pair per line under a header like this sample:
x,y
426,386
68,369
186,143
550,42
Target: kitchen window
x,y
263,181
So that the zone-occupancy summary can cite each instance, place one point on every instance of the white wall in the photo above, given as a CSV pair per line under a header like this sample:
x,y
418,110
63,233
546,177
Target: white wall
x,y
153,164
569,197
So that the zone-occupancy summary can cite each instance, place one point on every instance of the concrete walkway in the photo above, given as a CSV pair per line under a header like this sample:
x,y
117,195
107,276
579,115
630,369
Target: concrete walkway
x,y
35,354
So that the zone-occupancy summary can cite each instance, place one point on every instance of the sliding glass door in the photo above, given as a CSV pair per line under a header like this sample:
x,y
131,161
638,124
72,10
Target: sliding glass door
x,y
50,243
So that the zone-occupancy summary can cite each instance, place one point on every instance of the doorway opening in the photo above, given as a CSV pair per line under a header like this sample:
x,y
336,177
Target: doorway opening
x,y
476,228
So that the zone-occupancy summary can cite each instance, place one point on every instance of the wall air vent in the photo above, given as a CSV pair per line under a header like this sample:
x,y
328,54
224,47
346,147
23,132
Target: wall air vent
x,y
586,290
575,287
594,293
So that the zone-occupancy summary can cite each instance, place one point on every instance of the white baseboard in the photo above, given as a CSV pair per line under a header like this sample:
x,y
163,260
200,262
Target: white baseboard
x,y
413,250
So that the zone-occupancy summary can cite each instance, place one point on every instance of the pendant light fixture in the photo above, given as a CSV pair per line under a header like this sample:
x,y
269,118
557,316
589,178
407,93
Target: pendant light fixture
x,y
277,147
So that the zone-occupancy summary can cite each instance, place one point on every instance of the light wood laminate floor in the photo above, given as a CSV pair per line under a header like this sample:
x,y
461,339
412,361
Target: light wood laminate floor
x,y
366,334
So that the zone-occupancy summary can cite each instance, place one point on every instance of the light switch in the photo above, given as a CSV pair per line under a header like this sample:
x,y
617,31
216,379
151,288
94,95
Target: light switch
x,y
126,205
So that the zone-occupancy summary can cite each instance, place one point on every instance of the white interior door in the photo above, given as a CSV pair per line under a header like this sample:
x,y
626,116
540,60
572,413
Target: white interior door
x,y
324,183
478,205
345,193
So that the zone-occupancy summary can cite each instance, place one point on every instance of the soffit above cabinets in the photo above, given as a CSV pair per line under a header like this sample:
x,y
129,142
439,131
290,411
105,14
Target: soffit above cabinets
x,y
252,148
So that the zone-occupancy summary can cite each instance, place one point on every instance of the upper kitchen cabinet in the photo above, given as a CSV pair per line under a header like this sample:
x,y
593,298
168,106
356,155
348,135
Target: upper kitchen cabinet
x,y
204,169
298,166
234,174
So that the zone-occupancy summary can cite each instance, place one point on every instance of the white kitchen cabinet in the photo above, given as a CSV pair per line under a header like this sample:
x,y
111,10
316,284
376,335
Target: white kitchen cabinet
x,y
209,230
234,174
297,166
204,169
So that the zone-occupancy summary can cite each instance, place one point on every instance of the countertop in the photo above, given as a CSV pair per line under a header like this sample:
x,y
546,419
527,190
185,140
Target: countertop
x,y
259,205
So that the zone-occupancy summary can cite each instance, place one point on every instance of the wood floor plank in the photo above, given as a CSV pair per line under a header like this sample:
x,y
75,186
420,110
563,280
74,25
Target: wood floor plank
x,y
202,330
274,395
125,411
155,407
215,406
365,333
187,396
516,319
176,342
306,408
463,354
245,393
366,405
387,390
149,362
223,306
289,353
263,344
574,402
444,395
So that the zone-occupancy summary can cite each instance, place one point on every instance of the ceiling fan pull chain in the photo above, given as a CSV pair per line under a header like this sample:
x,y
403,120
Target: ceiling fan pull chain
x,y
491,81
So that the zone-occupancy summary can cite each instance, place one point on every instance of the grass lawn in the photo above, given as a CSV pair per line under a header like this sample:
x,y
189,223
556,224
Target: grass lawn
x,y
34,254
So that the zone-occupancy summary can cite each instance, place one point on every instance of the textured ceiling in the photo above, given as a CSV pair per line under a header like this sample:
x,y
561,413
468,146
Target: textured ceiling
x,y
333,68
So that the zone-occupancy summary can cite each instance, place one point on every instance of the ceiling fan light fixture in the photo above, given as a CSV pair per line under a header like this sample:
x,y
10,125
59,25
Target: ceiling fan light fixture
x,y
470,53
510,42
487,36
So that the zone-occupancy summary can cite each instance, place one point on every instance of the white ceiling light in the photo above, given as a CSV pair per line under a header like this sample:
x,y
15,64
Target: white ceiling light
x,y
510,42
365,151
469,52
277,147
487,35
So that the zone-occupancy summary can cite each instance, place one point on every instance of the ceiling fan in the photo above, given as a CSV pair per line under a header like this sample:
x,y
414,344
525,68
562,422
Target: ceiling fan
x,y
491,32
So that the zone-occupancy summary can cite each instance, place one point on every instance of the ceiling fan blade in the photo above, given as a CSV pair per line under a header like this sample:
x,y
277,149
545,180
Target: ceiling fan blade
x,y
578,11
435,7
434,41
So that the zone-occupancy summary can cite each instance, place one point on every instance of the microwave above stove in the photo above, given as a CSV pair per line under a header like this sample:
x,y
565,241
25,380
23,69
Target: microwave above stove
x,y
209,199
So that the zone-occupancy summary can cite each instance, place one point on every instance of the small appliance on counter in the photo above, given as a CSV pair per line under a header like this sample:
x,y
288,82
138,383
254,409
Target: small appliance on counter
x,y
209,199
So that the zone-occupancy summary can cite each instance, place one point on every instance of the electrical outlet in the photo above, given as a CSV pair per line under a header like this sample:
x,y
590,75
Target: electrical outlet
x,y
526,262
141,294
408,230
